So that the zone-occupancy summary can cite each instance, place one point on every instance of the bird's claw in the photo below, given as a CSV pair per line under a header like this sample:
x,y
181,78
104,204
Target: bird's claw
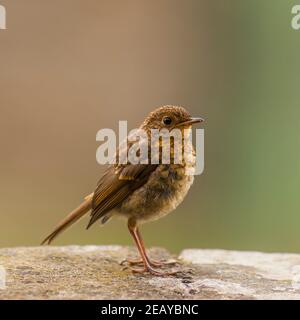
x,y
149,267
153,263
154,272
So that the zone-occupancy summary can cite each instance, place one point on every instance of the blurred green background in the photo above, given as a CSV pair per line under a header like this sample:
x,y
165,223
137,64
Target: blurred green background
x,y
71,67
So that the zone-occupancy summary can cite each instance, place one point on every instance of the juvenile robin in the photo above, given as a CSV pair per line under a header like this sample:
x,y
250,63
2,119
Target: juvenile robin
x,y
141,192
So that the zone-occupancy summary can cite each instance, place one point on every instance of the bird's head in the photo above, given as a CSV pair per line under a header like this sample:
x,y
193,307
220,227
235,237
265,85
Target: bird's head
x,y
169,117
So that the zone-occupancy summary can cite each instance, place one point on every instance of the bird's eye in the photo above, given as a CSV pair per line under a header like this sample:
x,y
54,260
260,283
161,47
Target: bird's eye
x,y
167,121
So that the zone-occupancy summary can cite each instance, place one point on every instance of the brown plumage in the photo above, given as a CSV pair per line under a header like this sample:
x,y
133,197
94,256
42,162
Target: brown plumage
x,y
139,192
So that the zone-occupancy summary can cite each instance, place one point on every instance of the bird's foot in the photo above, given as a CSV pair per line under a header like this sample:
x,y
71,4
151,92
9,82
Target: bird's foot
x,y
152,263
150,266
151,270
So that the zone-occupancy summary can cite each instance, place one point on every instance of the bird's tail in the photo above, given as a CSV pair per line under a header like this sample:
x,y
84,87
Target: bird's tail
x,y
70,219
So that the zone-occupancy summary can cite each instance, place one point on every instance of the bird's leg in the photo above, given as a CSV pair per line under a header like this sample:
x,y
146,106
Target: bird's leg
x,y
152,262
133,229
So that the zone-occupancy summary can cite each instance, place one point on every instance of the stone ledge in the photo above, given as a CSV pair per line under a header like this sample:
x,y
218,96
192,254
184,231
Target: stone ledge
x,y
94,272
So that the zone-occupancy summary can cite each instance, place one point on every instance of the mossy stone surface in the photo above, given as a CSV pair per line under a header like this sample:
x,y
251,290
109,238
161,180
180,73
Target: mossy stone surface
x,y
94,272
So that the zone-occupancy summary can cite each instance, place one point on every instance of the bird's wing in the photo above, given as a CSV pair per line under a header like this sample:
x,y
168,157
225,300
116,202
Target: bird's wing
x,y
117,183
115,186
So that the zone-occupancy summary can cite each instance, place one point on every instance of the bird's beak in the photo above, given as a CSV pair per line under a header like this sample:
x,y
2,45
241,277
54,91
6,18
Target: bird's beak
x,y
191,121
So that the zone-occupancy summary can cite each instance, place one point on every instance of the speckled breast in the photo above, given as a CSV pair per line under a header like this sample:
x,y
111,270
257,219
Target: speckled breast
x,y
163,192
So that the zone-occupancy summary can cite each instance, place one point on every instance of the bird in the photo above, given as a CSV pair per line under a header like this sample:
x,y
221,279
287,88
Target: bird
x,y
141,192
